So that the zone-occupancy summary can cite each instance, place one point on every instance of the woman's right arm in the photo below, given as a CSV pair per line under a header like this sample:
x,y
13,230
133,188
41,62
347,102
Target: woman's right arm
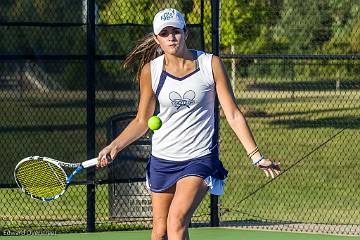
x,y
138,126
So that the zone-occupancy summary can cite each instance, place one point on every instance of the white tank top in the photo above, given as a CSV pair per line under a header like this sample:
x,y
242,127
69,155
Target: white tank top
x,y
186,108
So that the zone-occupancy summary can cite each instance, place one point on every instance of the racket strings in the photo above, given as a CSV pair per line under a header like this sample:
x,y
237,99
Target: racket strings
x,y
53,169
41,178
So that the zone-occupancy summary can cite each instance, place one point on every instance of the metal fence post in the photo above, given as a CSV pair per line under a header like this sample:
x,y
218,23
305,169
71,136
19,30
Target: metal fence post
x,y
90,107
202,44
214,210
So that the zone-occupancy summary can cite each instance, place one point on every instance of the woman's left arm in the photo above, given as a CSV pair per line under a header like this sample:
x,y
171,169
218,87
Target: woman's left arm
x,y
237,120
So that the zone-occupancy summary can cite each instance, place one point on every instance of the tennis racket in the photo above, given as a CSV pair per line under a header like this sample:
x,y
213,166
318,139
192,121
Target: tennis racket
x,y
44,178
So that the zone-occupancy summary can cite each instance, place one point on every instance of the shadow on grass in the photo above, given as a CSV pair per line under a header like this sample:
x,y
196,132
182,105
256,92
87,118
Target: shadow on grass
x,y
350,122
248,101
47,128
278,97
320,85
82,104
256,223
260,113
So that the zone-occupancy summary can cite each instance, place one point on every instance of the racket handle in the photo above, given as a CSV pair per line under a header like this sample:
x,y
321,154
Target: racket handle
x,y
89,163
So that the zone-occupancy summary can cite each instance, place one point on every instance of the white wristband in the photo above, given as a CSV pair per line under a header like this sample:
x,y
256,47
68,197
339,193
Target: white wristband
x,y
259,160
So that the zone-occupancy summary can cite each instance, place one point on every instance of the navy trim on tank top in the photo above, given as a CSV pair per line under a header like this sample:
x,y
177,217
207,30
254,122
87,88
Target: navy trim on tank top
x,y
165,74
161,83
181,78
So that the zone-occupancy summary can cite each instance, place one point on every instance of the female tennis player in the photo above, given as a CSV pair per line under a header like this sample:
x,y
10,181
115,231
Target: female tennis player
x,y
184,162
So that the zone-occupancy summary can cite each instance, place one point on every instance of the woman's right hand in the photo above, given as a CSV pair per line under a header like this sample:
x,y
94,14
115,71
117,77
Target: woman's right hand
x,y
106,156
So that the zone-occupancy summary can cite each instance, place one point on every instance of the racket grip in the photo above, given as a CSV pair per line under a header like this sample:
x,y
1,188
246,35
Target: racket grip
x,y
89,163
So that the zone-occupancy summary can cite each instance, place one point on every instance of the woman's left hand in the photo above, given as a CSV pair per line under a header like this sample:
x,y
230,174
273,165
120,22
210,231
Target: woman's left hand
x,y
269,167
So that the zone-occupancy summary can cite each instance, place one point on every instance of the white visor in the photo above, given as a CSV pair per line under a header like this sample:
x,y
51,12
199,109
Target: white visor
x,y
168,17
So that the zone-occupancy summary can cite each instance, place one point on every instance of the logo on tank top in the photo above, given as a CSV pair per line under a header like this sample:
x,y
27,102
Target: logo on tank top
x,y
186,100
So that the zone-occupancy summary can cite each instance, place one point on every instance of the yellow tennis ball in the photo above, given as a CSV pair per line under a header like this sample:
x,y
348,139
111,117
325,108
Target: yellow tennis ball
x,y
154,123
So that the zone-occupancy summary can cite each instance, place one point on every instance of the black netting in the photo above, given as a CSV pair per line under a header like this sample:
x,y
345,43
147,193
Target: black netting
x,y
304,114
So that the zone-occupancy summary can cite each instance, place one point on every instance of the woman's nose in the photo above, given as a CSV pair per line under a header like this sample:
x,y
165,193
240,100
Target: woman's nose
x,y
171,36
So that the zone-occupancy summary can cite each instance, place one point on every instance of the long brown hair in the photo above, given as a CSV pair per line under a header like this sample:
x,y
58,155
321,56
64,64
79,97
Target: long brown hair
x,y
146,49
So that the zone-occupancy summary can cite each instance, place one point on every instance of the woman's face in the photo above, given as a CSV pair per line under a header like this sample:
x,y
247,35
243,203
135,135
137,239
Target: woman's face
x,y
171,40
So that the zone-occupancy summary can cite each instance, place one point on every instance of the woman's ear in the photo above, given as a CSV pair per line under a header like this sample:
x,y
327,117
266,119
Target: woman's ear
x,y
156,40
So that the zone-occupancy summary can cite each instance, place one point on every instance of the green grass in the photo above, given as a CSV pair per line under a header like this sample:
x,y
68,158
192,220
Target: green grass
x,y
323,188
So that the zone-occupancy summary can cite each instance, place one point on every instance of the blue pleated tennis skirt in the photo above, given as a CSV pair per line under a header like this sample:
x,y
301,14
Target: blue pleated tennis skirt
x,y
162,174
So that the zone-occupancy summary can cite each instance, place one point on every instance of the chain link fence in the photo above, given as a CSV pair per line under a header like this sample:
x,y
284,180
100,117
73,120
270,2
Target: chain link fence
x,y
294,69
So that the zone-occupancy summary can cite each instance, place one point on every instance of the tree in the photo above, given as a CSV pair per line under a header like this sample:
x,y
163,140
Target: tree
x,y
246,24
45,40
129,21
345,25
304,26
